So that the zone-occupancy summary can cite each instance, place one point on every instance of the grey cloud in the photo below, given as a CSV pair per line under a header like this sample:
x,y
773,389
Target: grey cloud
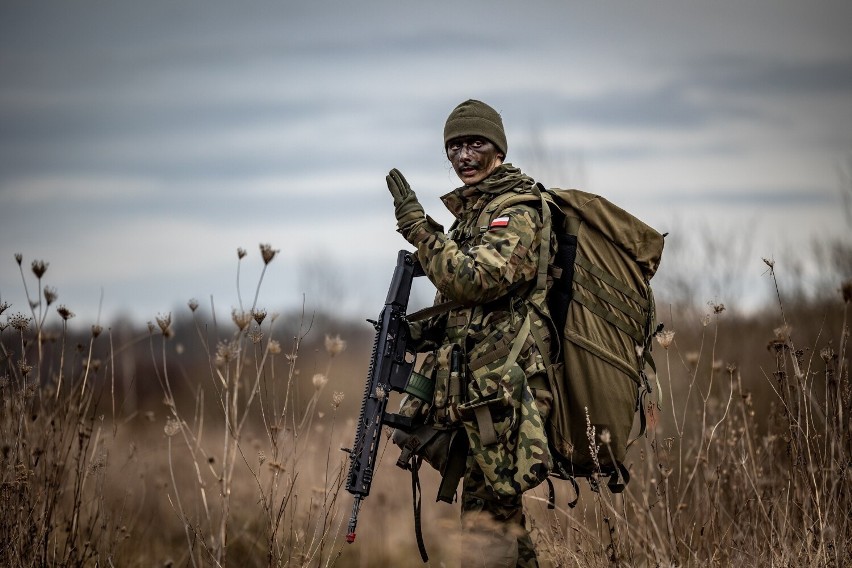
x,y
771,76
771,198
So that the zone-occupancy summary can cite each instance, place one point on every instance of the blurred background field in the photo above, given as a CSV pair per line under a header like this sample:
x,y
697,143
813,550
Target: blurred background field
x,y
197,441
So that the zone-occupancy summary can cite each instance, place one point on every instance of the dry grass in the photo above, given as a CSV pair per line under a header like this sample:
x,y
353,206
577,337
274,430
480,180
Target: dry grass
x,y
205,443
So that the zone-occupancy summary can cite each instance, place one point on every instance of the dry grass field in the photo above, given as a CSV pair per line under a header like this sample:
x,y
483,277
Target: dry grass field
x,y
196,442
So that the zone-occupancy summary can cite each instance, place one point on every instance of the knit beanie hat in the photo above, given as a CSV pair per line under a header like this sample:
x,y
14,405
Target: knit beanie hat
x,y
472,118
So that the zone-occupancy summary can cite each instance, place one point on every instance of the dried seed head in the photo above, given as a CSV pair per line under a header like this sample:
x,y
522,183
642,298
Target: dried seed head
x,y
96,330
732,368
241,252
334,345
717,308
50,294
164,322
605,436
783,333
226,351
267,252
261,457
274,347
319,380
769,263
39,267
19,258
255,335
827,354
19,321
24,367
4,306
336,399
665,338
64,313
172,427
241,318
259,315
692,358
380,393
193,304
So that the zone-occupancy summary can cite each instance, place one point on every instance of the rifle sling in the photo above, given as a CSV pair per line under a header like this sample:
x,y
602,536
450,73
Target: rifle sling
x,y
432,311
416,494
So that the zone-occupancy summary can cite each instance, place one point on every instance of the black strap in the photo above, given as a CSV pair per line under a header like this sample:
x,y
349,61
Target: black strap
x,y
455,468
416,496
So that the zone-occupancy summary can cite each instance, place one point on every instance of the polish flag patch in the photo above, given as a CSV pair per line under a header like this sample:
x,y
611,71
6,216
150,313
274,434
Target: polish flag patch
x,y
499,222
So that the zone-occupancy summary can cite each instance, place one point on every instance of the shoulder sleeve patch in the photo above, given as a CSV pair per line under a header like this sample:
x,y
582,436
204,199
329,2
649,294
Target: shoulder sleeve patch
x,y
499,222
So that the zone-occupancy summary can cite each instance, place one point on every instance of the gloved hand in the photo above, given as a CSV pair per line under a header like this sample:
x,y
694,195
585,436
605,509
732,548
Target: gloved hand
x,y
410,216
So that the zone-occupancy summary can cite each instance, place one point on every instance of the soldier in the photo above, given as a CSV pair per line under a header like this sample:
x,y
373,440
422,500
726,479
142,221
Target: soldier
x,y
490,379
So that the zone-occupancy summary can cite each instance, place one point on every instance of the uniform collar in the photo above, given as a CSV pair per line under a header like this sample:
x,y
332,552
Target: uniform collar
x,y
467,197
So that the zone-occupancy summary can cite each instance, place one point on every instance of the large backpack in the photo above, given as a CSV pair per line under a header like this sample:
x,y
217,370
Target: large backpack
x,y
602,309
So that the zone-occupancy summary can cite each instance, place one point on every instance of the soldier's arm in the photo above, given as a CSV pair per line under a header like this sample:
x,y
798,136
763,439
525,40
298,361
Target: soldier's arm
x,y
507,255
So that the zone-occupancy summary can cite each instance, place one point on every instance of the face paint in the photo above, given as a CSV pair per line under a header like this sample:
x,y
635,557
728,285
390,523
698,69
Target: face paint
x,y
473,158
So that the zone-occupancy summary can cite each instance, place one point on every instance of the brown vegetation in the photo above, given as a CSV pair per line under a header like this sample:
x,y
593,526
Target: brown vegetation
x,y
202,443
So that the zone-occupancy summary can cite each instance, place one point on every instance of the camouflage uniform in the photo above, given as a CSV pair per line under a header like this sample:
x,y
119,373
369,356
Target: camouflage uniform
x,y
490,273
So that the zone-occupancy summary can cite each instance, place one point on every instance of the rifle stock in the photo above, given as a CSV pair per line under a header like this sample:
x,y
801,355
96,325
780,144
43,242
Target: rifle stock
x,y
391,369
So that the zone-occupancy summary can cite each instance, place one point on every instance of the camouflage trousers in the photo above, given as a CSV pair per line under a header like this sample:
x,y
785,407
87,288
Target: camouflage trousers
x,y
493,531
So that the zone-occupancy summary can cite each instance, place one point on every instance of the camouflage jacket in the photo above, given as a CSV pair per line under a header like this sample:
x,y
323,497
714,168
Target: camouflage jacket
x,y
482,354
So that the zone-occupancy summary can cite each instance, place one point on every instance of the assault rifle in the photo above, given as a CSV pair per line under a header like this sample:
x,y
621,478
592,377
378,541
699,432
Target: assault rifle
x,y
391,369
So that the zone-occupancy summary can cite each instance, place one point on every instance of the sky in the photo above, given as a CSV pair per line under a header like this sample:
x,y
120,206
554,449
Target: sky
x,y
143,143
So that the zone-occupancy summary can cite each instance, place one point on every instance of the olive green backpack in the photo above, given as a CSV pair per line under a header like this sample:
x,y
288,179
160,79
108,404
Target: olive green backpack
x,y
602,308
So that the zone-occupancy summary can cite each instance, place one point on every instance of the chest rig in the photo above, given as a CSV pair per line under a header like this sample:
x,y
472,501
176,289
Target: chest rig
x,y
451,364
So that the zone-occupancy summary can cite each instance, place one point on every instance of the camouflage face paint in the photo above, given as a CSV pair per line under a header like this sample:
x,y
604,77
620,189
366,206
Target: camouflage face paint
x,y
473,158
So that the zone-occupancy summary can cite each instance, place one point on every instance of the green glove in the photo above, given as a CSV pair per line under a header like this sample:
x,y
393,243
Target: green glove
x,y
404,199
409,213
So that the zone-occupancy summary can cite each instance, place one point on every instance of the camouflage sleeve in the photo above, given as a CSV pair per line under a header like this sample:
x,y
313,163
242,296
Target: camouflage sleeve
x,y
506,254
427,335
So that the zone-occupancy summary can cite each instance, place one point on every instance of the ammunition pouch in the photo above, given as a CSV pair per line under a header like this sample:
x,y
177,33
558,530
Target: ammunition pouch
x,y
444,450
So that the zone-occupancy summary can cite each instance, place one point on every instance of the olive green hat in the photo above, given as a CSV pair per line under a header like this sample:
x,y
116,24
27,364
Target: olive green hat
x,y
472,118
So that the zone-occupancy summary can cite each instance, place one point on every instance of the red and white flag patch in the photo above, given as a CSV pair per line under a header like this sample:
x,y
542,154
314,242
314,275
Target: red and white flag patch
x,y
499,222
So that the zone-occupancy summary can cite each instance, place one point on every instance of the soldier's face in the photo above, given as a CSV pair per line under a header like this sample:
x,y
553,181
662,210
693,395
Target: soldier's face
x,y
473,158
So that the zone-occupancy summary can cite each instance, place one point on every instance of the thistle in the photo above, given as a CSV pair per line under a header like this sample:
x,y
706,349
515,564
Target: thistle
x,y
50,294
334,345
64,312
267,252
259,315
336,399
241,318
319,380
39,267
665,338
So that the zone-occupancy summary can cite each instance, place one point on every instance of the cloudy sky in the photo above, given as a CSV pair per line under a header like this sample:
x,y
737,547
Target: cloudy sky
x,y
143,143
